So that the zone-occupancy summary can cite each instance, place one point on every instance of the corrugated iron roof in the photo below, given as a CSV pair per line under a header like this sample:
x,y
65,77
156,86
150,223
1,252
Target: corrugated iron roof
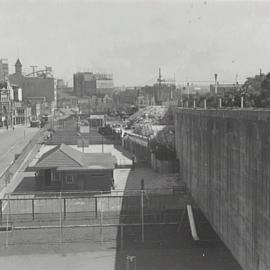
x,y
67,157
99,160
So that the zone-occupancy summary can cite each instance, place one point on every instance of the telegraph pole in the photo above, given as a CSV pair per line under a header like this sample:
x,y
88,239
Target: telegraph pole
x,y
215,83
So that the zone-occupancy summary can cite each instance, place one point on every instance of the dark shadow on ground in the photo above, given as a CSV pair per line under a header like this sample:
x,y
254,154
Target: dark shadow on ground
x,y
167,246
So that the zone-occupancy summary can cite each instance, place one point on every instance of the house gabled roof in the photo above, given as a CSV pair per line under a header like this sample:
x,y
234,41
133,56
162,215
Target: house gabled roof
x,y
59,157
64,157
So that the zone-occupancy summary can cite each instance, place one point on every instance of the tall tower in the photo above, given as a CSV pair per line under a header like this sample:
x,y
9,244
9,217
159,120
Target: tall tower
x,y
159,81
159,76
18,67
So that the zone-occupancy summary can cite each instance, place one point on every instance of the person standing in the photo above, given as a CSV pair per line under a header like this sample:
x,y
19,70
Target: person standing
x,y
133,162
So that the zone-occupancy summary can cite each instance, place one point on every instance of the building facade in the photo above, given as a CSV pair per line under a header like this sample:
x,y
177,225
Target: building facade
x,y
164,90
33,86
4,71
13,110
89,84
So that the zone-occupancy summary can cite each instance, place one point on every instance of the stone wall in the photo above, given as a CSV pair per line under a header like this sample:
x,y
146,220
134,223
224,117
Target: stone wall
x,y
224,158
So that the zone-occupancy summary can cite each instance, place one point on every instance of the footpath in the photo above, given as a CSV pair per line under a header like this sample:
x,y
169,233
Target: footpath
x,y
27,148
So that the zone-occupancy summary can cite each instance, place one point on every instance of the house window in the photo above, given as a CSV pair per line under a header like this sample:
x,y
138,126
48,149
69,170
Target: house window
x,y
69,179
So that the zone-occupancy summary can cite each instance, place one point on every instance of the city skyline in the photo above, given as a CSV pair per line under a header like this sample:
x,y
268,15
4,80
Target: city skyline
x,y
188,40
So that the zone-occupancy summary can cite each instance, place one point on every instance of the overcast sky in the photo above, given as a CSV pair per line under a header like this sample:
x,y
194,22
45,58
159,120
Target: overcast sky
x,y
190,40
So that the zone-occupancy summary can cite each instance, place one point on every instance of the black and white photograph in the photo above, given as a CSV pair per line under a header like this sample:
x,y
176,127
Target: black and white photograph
x,y
134,135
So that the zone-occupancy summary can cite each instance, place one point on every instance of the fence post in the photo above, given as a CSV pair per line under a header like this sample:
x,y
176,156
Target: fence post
x,y
1,213
101,220
60,216
64,208
142,214
33,209
96,210
102,143
131,263
7,222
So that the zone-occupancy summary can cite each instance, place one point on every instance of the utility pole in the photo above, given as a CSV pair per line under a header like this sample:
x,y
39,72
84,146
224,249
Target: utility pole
x,y
159,80
215,83
236,79
142,215
102,146
188,89
10,100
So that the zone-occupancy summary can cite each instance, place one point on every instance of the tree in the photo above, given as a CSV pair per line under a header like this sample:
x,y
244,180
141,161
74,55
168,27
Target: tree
x,y
265,91
257,91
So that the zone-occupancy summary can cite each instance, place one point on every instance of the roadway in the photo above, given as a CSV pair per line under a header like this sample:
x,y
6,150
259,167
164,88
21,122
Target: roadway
x,y
12,142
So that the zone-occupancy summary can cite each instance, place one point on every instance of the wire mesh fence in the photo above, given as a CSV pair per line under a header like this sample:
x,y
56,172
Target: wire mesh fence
x,y
116,211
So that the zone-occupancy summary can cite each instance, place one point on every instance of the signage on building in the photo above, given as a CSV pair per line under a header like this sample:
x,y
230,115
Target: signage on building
x,y
102,84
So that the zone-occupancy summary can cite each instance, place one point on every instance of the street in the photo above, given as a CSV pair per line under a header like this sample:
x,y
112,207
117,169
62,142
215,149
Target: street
x,y
12,142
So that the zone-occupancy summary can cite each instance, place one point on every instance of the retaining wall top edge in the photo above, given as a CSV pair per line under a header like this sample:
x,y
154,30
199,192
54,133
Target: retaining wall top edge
x,y
248,114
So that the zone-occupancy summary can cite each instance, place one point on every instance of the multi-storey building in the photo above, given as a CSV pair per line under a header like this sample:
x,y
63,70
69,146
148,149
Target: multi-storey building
x,y
36,85
12,110
90,84
163,91
3,69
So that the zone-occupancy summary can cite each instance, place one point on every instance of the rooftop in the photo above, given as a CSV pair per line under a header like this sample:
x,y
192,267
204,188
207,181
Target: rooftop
x,y
64,157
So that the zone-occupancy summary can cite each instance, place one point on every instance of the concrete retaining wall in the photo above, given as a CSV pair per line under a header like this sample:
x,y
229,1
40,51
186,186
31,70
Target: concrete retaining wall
x,y
224,158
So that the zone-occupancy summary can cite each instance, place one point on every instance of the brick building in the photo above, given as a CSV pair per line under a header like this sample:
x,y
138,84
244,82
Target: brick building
x,y
33,86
